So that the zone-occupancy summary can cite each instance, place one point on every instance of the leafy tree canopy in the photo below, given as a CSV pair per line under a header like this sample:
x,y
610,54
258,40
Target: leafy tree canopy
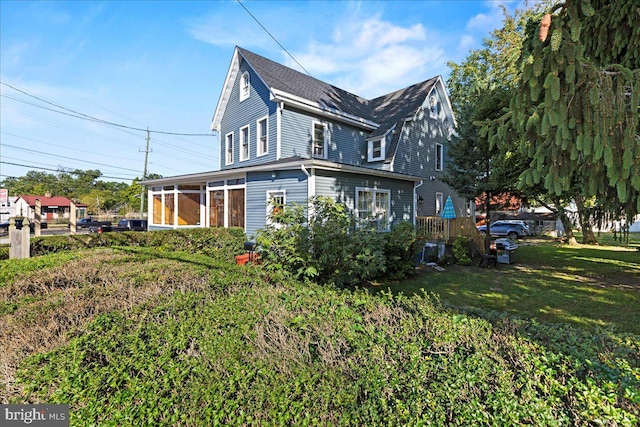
x,y
80,186
577,104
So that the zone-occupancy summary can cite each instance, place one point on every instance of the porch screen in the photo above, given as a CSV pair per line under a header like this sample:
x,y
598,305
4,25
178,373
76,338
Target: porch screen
x,y
157,208
168,209
188,208
236,208
216,209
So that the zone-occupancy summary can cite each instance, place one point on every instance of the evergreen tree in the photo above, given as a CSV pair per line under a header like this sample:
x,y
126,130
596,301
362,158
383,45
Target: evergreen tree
x,y
577,106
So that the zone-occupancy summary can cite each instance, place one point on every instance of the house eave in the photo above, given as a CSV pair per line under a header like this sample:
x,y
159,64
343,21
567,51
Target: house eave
x,y
202,177
323,110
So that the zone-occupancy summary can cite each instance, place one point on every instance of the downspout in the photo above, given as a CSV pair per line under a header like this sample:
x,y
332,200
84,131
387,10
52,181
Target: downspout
x,y
279,130
311,186
415,202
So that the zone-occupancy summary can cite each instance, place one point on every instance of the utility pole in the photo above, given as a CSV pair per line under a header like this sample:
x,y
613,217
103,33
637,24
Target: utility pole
x,y
144,175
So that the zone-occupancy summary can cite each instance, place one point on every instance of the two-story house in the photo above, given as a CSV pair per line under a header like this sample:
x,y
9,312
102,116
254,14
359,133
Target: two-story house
x,y
286,137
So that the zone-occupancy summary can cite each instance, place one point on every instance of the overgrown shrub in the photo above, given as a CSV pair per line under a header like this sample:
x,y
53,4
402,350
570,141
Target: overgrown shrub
x,y
400,250
461,250
223,243
297,354
331,246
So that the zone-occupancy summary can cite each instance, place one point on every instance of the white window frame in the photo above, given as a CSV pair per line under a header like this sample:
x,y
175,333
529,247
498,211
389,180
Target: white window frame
x,y
325,137
439,160
245,138
371,150
261,149
374,213
225,185
228,149
270,195
433,105
439,203
245,86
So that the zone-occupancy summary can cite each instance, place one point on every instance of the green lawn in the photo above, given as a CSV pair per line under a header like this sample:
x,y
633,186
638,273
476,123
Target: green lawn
x,y
588,286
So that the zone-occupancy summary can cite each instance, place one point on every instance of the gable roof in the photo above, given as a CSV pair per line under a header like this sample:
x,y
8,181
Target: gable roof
x,y
285,84
48,201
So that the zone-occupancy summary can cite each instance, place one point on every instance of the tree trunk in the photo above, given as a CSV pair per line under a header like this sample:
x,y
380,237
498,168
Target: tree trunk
x,y
487,223
566,222
588,237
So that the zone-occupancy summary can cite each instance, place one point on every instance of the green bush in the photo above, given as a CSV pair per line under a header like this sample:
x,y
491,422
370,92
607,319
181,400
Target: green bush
x,y
400,251
461,250
332,247
223,243
4,252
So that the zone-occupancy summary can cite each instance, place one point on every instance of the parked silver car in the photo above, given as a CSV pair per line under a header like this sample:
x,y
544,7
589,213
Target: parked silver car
x,y
511,229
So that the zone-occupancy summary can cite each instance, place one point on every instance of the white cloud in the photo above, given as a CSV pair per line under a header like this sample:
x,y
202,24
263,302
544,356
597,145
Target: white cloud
x,y
372,57
222,30
466,43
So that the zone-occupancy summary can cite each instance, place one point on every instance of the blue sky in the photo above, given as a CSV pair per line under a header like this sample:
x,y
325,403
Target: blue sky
x,y
161,65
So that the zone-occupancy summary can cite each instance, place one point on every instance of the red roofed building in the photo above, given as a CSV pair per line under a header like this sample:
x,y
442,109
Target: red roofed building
x,y
52,207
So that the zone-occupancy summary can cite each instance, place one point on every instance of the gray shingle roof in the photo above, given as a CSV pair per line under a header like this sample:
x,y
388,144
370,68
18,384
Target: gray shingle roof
x,y
387,110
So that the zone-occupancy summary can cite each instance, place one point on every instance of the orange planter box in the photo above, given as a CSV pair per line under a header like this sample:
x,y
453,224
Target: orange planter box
x,y
246,257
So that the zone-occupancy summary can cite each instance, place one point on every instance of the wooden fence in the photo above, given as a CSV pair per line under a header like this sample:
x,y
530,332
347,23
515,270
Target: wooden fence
x,y
434,227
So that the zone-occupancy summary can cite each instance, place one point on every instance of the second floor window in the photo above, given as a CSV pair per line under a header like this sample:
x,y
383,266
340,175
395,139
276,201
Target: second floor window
x,y
439,157
228,148
244,143
319,148
245,86
261,138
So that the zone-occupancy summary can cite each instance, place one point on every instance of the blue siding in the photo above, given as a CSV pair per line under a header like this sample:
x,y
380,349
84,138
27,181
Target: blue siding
x,y
296,134
416,155
342,186
239,114
347,144
294,182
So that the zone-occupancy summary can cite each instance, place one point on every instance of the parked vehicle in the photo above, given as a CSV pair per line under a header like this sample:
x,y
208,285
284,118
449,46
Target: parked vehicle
x,y
4,226
123,225
512,230
90,222
32,226
518,221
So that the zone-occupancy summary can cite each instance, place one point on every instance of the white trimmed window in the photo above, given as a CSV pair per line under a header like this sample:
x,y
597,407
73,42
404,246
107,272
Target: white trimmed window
x,y
262,136
439,157
374,206
228,148
244,143
245,86
433,106
276,200
320,140
439,203
376,150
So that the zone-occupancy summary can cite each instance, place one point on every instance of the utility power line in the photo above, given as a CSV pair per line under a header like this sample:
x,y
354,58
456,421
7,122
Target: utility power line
x,y
274,39
61,171
76,114
68,158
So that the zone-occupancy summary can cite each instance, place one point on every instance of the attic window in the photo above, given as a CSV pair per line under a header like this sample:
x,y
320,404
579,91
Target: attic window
x,y
244,86
376,150
433,107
